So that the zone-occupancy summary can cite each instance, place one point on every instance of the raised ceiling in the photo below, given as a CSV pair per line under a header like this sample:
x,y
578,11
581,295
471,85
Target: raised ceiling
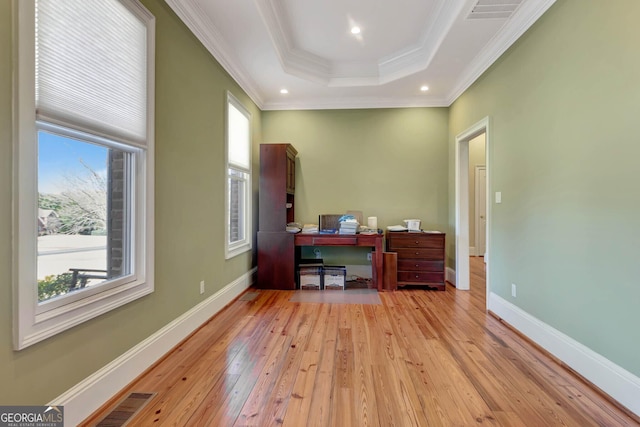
x,y
307,47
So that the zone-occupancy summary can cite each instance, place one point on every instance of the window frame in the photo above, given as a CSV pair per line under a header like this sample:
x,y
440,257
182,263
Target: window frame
x,y
233,249
32,321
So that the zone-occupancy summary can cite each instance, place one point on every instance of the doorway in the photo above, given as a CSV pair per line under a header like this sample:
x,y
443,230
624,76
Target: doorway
x,y
480,211
462,201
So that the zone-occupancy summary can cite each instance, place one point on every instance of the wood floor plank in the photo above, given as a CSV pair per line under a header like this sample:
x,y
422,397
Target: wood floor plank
x,y
301,399
393,376
322,394
366,413
421,358
301,324
254,410
196,380
244,367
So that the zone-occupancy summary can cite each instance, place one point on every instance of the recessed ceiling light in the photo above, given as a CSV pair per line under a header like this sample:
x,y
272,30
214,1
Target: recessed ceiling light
x,y
284,91
355,30
424,88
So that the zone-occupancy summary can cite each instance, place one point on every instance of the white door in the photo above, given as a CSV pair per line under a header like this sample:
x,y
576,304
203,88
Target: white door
x,y
481,210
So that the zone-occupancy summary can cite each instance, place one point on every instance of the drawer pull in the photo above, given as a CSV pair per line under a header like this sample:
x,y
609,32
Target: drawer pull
x,y
417,253
417,276
417,265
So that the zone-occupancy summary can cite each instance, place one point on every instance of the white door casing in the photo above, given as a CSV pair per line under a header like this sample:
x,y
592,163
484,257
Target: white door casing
x,y
481,209
462,203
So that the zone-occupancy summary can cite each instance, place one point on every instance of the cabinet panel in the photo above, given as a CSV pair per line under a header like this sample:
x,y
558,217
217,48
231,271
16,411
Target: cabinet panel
x,y
276,260
276,200
277,185
291,172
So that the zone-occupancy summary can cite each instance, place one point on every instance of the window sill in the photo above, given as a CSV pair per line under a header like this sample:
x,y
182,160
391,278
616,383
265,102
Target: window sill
x,y
234,251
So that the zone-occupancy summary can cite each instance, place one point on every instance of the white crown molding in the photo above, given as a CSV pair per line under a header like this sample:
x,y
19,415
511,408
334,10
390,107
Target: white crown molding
x,y
294,61
528,13
311,67
353,103
195,19
300,63
418,58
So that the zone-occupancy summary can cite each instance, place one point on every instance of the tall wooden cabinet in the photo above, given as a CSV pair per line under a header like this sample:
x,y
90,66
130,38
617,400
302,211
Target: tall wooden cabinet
x,y
276,250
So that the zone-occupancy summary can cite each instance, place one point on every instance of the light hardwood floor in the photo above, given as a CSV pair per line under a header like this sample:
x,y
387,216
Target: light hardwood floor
x,y
422,358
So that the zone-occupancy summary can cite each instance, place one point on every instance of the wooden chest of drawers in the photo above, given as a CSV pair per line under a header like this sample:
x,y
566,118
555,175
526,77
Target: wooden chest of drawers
x,y
420,257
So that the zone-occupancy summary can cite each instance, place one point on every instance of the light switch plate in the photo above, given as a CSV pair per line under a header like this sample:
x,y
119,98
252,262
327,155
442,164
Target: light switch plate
x,y
498,196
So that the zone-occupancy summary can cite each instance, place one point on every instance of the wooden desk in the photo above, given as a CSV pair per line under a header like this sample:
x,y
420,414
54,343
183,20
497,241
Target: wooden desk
x,y
370,240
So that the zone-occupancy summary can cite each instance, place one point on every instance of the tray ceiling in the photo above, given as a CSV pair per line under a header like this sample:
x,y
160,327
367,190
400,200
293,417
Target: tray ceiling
x,y
308,48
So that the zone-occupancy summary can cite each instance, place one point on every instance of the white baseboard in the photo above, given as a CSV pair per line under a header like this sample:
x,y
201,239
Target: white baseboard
x,y
87,396
472,251
614,380
450,275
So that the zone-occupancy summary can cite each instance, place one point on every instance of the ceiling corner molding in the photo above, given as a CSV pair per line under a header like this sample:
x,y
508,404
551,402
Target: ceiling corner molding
x,y
213,41
525,16
354,104
301,63
418,58
294,60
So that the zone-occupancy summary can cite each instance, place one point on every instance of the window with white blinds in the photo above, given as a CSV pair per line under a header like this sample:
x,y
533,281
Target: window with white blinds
x,y
239,140
238,194
91,67
83,155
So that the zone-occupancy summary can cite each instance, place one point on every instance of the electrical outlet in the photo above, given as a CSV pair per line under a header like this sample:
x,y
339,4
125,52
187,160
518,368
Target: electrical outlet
x,y
513,290
369,256
201,287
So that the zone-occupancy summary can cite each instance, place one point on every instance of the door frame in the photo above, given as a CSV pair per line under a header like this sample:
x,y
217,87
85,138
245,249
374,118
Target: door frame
x,y
462,201
477,192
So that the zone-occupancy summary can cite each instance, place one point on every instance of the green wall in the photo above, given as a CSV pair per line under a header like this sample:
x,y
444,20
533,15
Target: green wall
x,y
189,204
564,108
562,103
389,163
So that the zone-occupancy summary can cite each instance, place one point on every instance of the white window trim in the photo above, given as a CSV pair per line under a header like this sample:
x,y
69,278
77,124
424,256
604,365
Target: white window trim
x,y
30,326
236,248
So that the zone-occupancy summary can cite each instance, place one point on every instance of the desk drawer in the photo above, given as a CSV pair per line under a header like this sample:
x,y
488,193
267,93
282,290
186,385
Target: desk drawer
x,y
415,241
334,241
420,277
421,253
419,265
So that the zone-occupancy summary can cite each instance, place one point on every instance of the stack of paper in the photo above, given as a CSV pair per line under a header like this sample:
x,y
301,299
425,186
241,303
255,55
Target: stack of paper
x,y
349,226
310,228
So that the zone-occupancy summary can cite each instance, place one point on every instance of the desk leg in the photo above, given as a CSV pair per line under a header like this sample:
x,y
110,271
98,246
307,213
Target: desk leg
x,y
378,276
296,264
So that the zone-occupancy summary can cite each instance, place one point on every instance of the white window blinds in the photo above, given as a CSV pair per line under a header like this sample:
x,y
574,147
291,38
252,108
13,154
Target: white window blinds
x,y
239,139
91,67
